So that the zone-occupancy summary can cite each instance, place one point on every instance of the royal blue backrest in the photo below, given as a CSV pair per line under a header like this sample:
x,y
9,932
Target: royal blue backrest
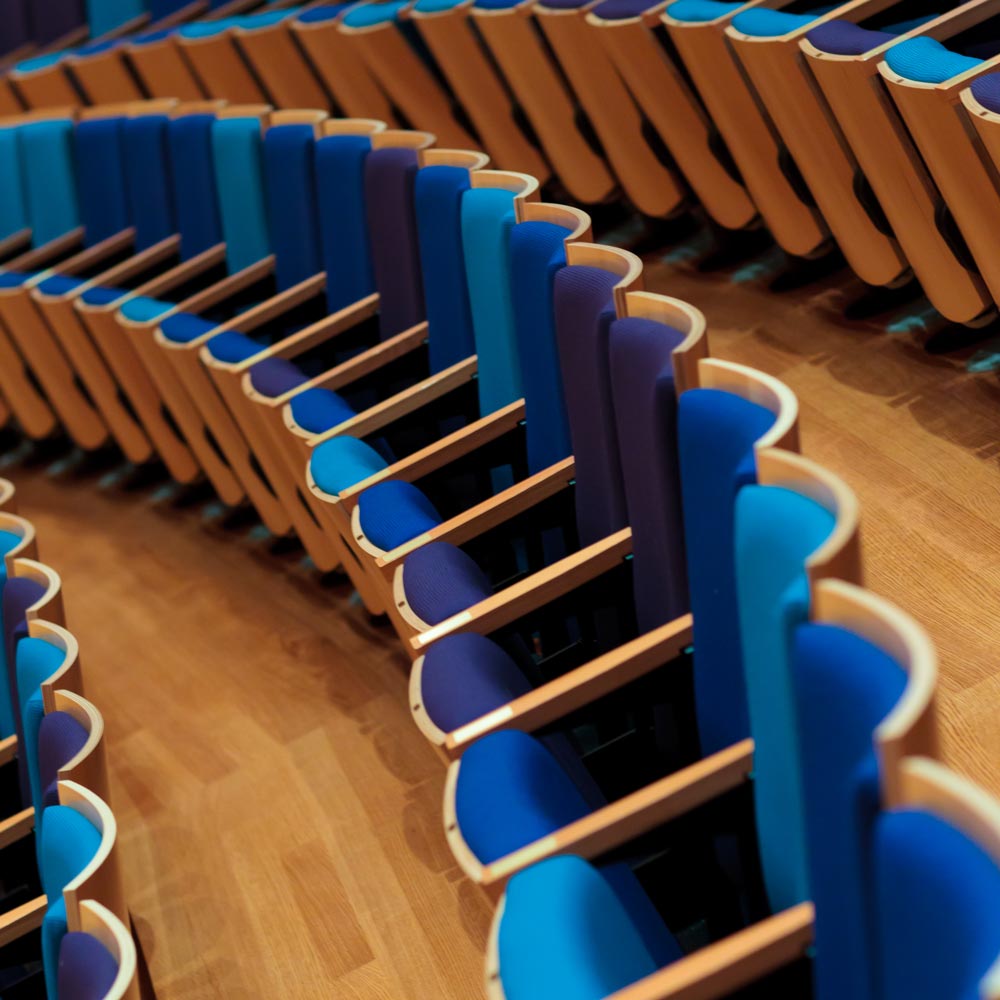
x,y
716,434
844,689
60,739
487,223
55,19
87,970
438,193
100,176
537,253
238,163
584,310
147,179
13,207
192,174
105,16
938,922
392,226
49,174
15,26
645,402
344,238
776,531
290,192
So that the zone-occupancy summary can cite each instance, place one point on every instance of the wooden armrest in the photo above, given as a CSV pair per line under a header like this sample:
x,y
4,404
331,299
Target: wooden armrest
x,y
403,403
22,919
723,968
484,516
275,306
634,815
35,260
16,827
150,257
8,749
92,256
183,272
316,333
540,588
582,686
229,286
449,449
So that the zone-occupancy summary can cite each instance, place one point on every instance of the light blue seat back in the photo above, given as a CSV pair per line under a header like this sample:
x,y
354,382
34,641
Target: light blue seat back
x,y
438,193
844,688
344,237
716,434
237,156
937,918
69,843
13,197
50,178
487,221
290,196
105,16
8,541
192,176
100,177
147,179
776,531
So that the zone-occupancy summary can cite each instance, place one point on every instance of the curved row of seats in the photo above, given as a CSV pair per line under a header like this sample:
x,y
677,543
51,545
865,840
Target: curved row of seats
x,y
865,124
686,745
63,919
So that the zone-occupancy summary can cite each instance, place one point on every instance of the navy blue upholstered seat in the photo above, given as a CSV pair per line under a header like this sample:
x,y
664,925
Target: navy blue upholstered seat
x,y
87,970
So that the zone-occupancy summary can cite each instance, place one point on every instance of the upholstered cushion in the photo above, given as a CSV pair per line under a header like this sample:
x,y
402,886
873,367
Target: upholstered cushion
x,y
394,511
699,11
317,410
495,4
230,346
56,285
37,63
466,675
147,179
563,4
184,327
762,22
365,15
434,6
206,29
265,19
986,90
102,295
237,161
440,580
340,462
617,10
196,205
141,309
565,933
843,38
327,12
100,177
926,60
95,48
512,791
15,279
60,739
87,970
150,37
275,376
13,210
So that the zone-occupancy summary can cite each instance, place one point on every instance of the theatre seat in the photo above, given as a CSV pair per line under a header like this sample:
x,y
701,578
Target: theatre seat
x,y
926,60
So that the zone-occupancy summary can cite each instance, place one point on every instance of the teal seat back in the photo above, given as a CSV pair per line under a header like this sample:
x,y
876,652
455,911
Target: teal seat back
x,y
237,153
13,197
487,222
776,531
105,16
50,178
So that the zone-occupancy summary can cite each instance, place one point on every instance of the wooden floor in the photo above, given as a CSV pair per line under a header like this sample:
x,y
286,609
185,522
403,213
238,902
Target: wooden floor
x,y
280,814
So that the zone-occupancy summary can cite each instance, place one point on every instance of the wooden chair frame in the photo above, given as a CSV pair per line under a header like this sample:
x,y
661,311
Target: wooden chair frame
x,y
103,77
739,115
957,161
219,65
48,87
676,113
777,69
99,922
870,123
163,70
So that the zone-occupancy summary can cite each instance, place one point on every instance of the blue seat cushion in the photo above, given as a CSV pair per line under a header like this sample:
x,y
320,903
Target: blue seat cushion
x,y
564,4
565,933
435,6
102,295
986,90
15,279
328,12
926,60
465,676
700,11
367,15
230,346
317,410
149,37
56,285
619,10
275,376
440,580
394,511
495,4
842,38
144,310
511,791
182,327
206,29
762,22
36,63
340,462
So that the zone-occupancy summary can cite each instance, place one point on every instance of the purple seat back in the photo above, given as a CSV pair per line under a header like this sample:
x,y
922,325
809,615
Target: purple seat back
x,y
642,376
87,970
584,312
60,739
390,175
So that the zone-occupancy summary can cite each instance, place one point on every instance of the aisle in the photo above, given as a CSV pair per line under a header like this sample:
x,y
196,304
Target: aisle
x,y
280,813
